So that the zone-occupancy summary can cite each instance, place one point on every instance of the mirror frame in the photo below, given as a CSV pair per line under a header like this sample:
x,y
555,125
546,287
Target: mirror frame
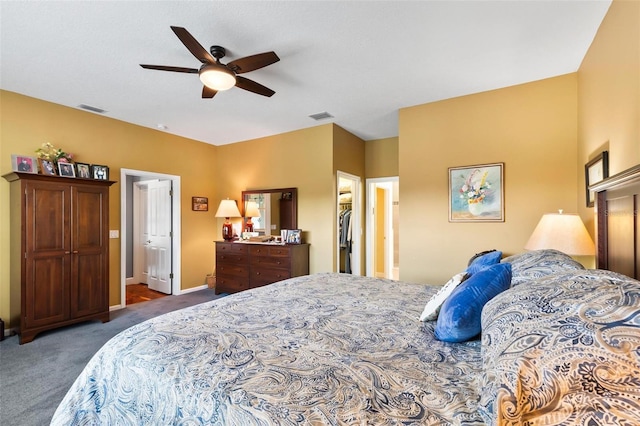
x,y
294,197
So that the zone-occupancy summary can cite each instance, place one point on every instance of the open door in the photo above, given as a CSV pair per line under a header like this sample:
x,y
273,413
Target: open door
x,y
382,228
349,229
152,234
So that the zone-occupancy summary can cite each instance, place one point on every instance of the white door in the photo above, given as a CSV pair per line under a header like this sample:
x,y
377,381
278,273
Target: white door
x,y
155,234
383,238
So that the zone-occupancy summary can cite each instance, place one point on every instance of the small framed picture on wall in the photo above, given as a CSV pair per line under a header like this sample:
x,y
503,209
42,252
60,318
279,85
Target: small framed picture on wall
x,y
594,171
200,204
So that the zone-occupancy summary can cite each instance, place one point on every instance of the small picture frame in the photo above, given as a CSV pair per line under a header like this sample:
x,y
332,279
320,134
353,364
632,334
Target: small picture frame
x,y
99,172
294,236
24,164
476,193
83,170
200,204
595,171
66,169
47,167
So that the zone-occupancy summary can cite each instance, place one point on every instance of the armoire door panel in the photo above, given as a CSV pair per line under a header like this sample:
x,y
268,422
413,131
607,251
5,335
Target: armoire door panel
x,y
46,295
89,218
88,295
47,213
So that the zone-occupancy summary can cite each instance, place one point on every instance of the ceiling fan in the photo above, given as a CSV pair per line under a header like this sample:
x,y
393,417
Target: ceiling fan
x,y
215,75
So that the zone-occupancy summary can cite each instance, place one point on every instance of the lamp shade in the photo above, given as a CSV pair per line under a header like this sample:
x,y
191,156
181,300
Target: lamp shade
x,y
217,77
563,232
252,209
228,208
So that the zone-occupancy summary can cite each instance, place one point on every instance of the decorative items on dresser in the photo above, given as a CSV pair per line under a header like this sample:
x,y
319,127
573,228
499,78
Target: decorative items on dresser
x,y
244,265
59,251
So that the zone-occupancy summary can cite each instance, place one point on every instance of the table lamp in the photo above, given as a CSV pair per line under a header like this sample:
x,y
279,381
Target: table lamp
x,y
227,209
563,232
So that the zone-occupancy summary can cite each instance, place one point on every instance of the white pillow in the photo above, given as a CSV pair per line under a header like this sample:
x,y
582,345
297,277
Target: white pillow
x,y
431,311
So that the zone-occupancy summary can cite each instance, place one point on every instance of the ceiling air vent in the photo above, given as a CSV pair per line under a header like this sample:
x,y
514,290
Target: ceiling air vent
x,y
92,109
321,116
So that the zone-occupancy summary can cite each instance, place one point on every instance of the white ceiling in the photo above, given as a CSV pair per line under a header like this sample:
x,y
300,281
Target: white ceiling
x,y
361,61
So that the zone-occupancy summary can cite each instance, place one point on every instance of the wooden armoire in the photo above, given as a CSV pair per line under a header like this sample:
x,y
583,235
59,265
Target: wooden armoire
x,y
59,251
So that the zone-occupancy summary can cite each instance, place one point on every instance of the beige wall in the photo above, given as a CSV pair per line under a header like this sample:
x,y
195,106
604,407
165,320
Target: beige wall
x,y
299,159
530,127
26,123
381,158
609,96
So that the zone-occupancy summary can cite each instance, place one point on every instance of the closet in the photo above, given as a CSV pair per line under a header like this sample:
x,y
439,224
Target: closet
x,y
59,251
346,222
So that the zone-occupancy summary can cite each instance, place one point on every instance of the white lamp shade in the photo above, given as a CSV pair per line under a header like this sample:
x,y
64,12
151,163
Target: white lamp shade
x,y
217,77
228,208
563,232
252,209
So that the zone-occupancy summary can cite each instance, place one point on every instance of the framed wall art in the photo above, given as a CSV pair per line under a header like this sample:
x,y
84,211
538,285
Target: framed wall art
x,y
595,171
476,193
24,163
200,204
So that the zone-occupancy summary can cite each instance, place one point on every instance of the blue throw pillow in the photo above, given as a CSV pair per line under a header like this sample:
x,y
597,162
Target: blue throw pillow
x,y
460,315
481,262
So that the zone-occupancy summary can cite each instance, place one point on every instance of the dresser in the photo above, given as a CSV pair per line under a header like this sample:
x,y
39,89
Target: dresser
x,y
241,266
59,251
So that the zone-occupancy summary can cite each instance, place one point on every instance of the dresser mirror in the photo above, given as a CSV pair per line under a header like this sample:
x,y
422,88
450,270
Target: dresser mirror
x,y
277,208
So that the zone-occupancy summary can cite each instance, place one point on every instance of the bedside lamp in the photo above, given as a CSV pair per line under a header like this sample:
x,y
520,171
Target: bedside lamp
x,y
252,211
227,208
563,232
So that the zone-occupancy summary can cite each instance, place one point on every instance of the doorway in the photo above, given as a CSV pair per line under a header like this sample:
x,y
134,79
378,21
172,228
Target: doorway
x,y
170,247
382,220
349,229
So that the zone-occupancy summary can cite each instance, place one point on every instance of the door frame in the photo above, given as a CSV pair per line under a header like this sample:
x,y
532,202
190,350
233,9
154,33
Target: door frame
x,y
387,184
356,227
127,228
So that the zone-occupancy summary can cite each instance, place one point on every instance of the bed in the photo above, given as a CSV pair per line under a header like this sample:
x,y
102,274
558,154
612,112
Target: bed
x,y
557,345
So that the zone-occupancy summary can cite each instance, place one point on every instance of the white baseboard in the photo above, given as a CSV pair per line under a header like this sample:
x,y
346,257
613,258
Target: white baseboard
x,y
116,307
191,290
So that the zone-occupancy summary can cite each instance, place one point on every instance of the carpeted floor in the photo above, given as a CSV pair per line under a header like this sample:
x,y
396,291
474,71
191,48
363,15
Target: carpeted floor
x,y
34,377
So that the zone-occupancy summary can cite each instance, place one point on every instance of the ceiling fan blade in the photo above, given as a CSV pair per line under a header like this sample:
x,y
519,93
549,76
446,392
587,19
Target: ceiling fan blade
x,y
208,92
192,44
167,68
253,62
252,86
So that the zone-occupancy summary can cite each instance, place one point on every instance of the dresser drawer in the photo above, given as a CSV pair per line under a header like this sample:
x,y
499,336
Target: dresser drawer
x,y
264,276
235,248
271,262
231,284
265,250
232,270
232,258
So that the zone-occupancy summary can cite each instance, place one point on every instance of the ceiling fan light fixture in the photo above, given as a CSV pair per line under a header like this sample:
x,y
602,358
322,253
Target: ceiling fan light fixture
x,y
217,77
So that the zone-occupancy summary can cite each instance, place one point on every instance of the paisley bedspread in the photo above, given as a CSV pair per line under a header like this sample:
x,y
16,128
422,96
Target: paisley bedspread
x,y
329,349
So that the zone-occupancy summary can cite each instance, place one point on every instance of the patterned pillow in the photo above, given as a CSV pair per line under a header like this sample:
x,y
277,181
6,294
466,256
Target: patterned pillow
x,y
489,258
459,318
431,310
534,264
563,350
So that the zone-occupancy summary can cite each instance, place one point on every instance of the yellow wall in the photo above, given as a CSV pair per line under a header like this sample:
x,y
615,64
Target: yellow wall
x,y
609,96
381,158
26,123
530,127
299,159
